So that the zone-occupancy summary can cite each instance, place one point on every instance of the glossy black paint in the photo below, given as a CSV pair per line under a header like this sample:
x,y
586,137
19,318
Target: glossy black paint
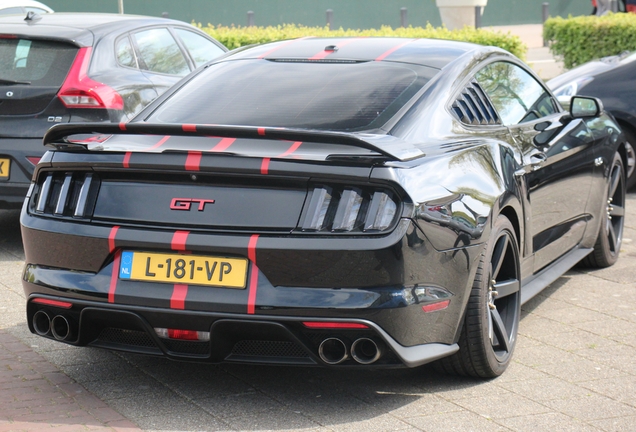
x,y
449,178
27,111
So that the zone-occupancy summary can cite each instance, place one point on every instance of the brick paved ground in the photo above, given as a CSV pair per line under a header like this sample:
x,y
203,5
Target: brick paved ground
x,y
36,395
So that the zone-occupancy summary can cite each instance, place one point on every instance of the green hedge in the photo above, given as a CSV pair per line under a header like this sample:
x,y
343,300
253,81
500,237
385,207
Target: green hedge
x,y
581,39
234,37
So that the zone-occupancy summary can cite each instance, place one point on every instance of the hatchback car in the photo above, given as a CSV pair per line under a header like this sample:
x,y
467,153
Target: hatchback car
x,y
372,202
60,68
613,80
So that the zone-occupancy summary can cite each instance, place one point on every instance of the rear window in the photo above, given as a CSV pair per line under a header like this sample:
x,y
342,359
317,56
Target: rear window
x,y
313,95
43,63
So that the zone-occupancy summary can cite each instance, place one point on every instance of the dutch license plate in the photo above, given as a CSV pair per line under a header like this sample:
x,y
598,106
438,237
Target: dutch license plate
x,y
5,165
185,269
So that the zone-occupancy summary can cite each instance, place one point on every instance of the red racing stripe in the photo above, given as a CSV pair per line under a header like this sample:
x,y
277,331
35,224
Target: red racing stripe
x,y
282,45
291,150
126,162
392,50
189,128
177,301
261,131
179,240
193,162
251,254
160,143
122,126
111,238
223,145
114,277
265,166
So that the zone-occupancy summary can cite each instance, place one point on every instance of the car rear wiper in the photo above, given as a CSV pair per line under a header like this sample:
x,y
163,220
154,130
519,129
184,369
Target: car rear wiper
x,y
13,82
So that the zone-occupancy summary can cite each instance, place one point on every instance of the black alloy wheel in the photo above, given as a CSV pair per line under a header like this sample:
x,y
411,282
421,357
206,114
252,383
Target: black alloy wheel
x,y
489,332
610,235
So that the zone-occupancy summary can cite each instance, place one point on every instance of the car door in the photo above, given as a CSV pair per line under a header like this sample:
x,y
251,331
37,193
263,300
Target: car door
x,y
556,157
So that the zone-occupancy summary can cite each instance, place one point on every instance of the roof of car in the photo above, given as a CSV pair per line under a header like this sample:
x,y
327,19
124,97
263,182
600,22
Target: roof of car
x,y
26,3
435,53
76,26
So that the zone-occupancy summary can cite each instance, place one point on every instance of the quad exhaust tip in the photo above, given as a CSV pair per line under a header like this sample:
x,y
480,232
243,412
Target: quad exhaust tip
x,y
333,351
41,323
365,351
60,328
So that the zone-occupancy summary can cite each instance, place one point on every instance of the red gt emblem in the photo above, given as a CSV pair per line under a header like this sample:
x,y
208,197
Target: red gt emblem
x,y
186,203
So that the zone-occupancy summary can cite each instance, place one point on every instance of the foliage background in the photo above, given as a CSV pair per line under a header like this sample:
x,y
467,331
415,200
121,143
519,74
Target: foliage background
x,y
581,39
237,36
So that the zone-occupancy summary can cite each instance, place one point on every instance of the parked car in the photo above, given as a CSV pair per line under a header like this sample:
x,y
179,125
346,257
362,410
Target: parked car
x,y
60,68
338,202
613,80
22,7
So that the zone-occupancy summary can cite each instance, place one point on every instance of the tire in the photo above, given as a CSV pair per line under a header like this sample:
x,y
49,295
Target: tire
x,y
610,234
489,331
630,156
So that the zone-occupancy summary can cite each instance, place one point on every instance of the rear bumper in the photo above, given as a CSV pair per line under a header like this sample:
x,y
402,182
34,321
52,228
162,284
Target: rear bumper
x,y
233,338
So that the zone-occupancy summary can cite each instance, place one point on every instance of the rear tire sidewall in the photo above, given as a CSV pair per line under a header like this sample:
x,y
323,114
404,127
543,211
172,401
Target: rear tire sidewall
x,y
496,365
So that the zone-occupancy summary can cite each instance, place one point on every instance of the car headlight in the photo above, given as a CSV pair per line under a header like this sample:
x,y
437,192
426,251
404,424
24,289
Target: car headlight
x,y
572,88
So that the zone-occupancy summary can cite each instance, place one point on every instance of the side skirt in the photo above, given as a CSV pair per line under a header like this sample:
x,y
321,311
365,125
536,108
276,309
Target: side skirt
x,y
536,283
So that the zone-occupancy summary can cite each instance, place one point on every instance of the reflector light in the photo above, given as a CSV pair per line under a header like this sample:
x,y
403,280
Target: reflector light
x,y
191,335
56,303
80,91
436,306
8,36
34,159
334,325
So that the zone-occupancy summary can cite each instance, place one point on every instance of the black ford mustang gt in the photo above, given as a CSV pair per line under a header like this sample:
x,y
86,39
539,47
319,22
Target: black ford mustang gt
x,y
343,202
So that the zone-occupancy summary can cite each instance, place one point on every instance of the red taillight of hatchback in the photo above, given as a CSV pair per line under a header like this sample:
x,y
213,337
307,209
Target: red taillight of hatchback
x,y
80,91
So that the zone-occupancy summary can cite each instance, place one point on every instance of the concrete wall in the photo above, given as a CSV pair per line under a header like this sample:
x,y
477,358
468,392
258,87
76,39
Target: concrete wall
x,y
346,13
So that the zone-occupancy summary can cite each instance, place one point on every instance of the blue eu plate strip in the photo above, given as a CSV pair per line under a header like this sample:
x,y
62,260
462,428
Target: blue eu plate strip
x,y
125,270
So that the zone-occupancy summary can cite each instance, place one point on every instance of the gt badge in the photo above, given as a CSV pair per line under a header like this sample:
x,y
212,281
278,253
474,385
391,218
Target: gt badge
x,y
186,203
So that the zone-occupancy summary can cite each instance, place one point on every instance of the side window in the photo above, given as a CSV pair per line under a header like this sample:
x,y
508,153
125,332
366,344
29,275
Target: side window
x,y
160,53
516,95
201,49
125,53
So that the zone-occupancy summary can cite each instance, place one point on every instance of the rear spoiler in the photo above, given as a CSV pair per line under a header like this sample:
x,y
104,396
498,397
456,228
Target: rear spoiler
x,y
386,145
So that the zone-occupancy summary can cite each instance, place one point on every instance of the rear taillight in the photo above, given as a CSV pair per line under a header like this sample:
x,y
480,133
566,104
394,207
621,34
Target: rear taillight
x,y
349,210
80,91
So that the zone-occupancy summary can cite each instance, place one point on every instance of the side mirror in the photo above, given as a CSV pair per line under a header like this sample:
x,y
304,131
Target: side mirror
x,y
585,106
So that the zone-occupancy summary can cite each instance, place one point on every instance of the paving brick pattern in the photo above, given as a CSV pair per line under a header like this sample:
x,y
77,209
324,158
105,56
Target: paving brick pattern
x,y
36,395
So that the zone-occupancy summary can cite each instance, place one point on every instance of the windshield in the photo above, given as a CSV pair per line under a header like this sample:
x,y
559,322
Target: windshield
x,y
342,96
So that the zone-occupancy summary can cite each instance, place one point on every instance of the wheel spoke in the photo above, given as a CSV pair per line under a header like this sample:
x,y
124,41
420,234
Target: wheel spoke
x,y
506,288
500,330
498,255
614,182
611,236
617,211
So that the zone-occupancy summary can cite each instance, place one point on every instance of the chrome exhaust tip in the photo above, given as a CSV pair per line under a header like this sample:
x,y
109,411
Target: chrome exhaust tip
x,y
365,351
41,323
333,351
60,328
